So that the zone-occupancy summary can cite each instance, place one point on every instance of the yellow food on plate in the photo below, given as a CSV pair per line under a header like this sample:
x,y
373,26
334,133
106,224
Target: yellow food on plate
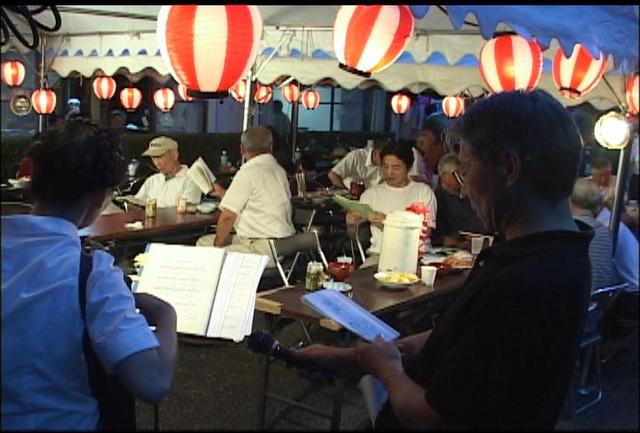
x,y
399,277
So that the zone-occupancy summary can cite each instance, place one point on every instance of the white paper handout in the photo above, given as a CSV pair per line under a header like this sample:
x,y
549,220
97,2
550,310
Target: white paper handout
x,y
201,175
349,314
212,291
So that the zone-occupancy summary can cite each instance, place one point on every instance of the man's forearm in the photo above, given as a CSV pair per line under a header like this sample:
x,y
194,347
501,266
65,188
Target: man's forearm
x,y
408,401
336,180
223,229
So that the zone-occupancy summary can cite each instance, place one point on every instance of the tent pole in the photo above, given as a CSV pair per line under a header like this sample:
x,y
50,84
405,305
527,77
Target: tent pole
x,y
621,185
42,80
247,117
294,126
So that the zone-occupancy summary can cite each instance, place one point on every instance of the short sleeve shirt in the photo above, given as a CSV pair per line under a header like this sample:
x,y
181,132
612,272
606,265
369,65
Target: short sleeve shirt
x,y
167,192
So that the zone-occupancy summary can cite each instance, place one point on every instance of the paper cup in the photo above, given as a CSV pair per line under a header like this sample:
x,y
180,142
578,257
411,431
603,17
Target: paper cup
x,y
476,245
428,274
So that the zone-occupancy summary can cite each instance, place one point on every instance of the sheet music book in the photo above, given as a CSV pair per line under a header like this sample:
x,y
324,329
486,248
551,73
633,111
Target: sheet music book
x,y
350,314
213,291
354,206
201,175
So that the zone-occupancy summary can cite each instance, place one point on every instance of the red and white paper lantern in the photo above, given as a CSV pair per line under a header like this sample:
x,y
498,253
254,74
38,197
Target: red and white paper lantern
x,y
130,97
453,106
310,99
182,91
43,101
13,73
400,103
104,87
368,39
164,98
239,90
291,92
632,94
510,62
577,75
263,94
209,48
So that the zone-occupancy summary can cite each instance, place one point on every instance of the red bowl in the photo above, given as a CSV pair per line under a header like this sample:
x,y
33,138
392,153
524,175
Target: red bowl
x,y
340,271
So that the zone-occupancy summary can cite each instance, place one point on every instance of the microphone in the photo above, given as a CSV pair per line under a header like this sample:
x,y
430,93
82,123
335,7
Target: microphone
x,y
263,342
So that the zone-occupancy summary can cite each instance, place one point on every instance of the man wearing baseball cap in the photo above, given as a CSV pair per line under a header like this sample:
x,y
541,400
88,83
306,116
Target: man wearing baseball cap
x,y
171,181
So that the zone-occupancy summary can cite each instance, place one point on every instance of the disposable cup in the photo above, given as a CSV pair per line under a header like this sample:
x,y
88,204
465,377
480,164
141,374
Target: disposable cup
x,y
476,245
428,274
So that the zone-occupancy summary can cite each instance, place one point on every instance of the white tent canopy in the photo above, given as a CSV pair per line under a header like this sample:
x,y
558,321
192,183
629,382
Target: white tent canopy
x,y
297,42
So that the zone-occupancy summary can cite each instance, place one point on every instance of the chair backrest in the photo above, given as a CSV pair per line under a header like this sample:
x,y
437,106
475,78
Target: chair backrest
x,y
361,234
15,208
293,246
303,219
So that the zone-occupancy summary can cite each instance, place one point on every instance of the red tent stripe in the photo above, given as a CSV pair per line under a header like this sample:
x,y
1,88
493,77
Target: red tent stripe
x,y
356,37
404,29
180,44
240,35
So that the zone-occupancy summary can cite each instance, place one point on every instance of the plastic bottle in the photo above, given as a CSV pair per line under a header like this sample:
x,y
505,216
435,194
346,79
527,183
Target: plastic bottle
x,y
297,154
224,158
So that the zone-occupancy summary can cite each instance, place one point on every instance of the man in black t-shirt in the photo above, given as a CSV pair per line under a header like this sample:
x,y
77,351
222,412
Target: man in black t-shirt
x,y
503,354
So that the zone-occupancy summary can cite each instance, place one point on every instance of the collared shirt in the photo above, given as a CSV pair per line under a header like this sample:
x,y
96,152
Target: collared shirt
x,y
260,197
168,191
44,375
386,199
609,191
357,166
454,214
625,259
600,251
503,355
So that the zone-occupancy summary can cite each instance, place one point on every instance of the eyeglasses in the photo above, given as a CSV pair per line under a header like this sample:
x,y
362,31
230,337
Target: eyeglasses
x,y
459,177
462,171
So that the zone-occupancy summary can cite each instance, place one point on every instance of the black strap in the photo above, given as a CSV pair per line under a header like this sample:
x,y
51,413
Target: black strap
x,y
116,404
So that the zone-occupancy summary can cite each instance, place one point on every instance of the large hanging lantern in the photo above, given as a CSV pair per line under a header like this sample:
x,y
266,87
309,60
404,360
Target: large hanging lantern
x,y
510,62
130,97
368,39
291,92
104,87
209,48
164,98
182,91
310,99
453,106
400,103
577,75
43,101
632,94
238,90
13,73
263,94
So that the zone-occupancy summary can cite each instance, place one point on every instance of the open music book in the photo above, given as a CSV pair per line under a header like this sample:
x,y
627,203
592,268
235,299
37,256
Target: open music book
x,y
201,175
354,206
212,290
350,314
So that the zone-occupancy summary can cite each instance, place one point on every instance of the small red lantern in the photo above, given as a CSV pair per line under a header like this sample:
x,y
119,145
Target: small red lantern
x,y
263,94
13,73
209,48
238,90
130,97
400,103
453,106
368,39
632,94
310,99
43,101
104,87
164,98
577,75
182,91
510,62
291,92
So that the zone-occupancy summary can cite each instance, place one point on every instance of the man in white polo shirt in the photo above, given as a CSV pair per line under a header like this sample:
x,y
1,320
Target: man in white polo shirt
x,y
257,203
171,182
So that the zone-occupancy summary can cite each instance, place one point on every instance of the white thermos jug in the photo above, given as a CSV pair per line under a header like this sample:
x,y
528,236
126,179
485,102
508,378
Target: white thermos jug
x,y
400,242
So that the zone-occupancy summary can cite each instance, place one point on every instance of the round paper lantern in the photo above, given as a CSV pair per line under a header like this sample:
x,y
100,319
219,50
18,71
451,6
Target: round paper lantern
x,y
104,87
43,101
291,92
13,73
577,75
368,39
239,90
632,94
310,99
453,106
130,97
510,62
400,103
164,98
209,48
182,91
263,94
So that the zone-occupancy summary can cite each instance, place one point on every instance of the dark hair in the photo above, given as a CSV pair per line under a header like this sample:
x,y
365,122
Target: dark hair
x,y
600,162
74,160
277,105
117,113
533,125
437,124
400,151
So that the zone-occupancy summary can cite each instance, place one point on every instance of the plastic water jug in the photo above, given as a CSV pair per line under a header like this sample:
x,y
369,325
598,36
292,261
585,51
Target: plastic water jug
x,y
400,242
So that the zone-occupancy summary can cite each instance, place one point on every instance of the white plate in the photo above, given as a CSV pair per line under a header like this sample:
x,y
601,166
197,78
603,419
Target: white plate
x,y
393,286
338,286
207,207
18,183
432,258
